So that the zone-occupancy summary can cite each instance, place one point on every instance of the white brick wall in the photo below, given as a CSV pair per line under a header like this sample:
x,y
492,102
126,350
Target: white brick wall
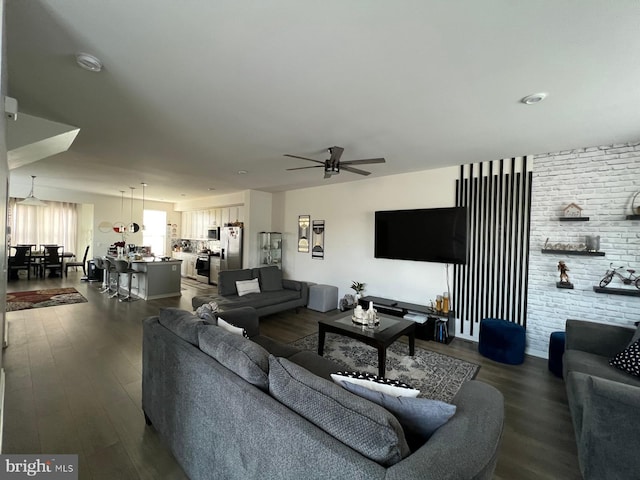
x,y
602,180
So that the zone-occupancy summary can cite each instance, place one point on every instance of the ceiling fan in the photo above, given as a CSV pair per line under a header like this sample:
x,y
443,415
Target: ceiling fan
x,y
333,164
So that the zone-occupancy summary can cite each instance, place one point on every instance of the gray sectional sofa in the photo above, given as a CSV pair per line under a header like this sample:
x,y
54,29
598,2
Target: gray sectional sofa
x,y
276,293
236,408
604,401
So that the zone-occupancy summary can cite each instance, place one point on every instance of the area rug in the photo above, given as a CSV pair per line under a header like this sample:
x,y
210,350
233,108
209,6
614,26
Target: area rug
x,y
49,297
437,376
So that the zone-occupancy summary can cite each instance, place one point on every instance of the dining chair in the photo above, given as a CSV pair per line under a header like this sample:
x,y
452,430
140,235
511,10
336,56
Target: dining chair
x,y
77,264
52,260
20,260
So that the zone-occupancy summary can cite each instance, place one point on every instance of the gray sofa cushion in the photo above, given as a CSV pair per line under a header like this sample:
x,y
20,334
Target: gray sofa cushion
x,y
596,365
228,279
320,366
270,279
367,428
182,323
240,355
419,417
274,347
262,299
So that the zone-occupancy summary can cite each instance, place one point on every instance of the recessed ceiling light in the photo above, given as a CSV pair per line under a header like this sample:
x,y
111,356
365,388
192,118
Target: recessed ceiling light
x,y
534,98
242,172
88,62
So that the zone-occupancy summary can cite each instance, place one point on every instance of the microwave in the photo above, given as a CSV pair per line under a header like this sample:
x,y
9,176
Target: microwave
x,y
213,233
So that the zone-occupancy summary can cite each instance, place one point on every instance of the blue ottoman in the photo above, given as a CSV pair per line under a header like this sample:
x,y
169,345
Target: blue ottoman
x,y
556,351
502,341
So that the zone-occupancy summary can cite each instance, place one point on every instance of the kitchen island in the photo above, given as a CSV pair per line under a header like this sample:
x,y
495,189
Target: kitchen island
x,y
152,278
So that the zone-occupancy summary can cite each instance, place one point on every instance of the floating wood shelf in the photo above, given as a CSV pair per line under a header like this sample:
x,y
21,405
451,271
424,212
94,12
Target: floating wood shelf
x,y
573,219
618,291
574,252
566,285
633,217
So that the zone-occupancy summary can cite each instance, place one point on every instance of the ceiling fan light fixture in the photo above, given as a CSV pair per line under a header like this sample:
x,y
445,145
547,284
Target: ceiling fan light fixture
x,y
88,62
31,199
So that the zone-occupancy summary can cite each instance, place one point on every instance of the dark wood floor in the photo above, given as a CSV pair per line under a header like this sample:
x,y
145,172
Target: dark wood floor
x,y
73,386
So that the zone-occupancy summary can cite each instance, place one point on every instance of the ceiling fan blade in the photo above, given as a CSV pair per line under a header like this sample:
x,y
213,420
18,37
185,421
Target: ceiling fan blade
x,y
336,153
326,175
302,168
353,170
303,158
364,161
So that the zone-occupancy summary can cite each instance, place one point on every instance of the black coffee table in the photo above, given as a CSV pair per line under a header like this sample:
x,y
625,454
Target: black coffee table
x,y
380,337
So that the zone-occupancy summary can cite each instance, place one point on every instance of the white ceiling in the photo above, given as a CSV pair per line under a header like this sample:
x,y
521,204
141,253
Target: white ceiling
x,y
193,91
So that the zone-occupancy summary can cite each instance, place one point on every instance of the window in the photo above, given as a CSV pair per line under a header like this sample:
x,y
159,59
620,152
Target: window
x,y
155,231
56,223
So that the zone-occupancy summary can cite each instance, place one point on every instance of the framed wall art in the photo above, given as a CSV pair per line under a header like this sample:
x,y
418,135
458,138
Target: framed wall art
x,y
317,250
304,222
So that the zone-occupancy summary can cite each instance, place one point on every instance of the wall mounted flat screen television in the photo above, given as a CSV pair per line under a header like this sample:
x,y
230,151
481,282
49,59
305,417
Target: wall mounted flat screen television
x,y
425,235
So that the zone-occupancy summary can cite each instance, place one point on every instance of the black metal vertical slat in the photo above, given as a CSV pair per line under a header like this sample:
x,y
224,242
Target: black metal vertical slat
x,y
526,243
515,268
469,303
479,246
504,179
485,247
467,270
476,246
457,268
492,243
522,217
509,250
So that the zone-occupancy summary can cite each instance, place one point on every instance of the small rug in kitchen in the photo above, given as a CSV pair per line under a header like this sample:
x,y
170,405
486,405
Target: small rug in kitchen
x,y
49,297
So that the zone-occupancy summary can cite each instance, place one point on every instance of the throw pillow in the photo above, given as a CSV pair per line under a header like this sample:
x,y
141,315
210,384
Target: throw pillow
x,y
419,417
376,383
207,311
628,360
243,357
364,426
247,286
270,279
232,328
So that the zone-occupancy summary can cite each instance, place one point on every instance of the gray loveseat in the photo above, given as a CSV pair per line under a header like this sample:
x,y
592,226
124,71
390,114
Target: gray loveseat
x,y
240,422
604,401
276,293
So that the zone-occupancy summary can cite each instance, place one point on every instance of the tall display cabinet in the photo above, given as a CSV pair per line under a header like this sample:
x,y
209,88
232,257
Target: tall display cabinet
x,y
270,248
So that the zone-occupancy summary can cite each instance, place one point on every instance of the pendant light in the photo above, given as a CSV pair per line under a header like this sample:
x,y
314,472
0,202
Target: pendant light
x,y
143,187
31,199
119,227
133,226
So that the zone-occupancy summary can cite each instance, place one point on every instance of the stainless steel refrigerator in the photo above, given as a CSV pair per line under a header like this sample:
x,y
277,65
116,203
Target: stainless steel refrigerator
x,y
230,248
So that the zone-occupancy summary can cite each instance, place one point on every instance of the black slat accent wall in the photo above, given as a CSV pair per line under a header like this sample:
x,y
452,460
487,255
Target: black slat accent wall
x,y
493,282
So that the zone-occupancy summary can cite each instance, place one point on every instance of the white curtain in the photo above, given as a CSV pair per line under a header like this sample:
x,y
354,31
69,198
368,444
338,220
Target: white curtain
x,y
56,223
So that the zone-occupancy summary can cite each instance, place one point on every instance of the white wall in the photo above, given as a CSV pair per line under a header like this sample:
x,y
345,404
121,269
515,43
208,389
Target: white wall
x,y
602,180
348,210
258,216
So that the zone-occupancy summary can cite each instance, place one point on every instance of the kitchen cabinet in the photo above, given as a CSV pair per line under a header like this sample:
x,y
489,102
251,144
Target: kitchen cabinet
x,y
270,244
196,222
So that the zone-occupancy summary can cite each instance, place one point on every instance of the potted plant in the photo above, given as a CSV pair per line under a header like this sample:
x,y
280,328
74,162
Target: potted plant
x,y
359,288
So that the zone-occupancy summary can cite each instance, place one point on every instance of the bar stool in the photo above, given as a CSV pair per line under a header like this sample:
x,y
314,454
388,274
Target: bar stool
x,y
122,267
110,267
99,263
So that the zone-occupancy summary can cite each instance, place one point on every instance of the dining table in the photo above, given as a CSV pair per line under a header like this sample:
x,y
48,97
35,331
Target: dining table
x,y
38,256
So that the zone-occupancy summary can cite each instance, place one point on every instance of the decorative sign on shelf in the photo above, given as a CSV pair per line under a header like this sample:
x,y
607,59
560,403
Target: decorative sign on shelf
x,y
572,210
